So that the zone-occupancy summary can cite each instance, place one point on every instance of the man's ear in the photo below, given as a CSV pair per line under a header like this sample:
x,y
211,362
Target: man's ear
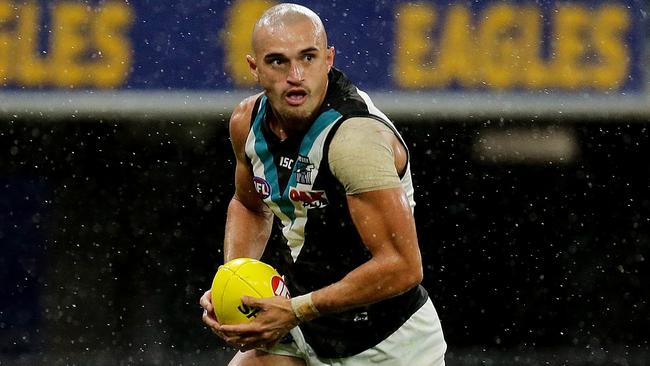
x,y
330,57
252,65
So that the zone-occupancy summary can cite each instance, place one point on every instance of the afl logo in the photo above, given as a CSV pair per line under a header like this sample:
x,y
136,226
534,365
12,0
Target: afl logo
x,y
262,187
279,287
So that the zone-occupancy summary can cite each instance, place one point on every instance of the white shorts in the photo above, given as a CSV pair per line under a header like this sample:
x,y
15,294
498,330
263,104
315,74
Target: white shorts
x,y
418,342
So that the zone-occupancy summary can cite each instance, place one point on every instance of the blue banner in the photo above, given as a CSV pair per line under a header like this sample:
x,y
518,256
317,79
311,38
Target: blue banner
x,y
482,45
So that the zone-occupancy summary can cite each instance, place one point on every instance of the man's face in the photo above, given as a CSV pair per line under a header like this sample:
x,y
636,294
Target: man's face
x,y
291,64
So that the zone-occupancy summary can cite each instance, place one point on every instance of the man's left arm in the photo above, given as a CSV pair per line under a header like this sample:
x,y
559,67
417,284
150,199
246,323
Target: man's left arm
x,y
381,213
385,222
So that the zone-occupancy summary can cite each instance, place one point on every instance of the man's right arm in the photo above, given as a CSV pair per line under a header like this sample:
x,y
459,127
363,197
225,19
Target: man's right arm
x,y
248,225
249,221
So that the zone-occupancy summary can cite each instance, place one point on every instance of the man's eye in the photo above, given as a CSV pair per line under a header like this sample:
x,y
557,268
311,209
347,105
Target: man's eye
x,y
276,62
309,57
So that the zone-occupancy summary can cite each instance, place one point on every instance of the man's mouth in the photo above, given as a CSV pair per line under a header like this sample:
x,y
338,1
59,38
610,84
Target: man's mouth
x,y
296,97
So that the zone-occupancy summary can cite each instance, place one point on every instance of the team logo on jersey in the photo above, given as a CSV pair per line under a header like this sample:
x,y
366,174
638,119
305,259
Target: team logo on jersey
x,y
279,287
312,199
303,170
262,187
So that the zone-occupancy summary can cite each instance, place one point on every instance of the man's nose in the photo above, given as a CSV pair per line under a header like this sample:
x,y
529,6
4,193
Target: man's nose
x,y
296,73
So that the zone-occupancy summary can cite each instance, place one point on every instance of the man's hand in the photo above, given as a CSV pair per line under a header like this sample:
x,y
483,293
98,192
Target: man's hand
x,y
209,318
274,320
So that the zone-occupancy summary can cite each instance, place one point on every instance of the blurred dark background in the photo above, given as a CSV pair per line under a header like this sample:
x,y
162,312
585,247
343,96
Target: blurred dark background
x,y
112,229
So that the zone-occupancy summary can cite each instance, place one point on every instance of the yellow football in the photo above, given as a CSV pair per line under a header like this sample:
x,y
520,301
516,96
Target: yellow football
x,y
243,277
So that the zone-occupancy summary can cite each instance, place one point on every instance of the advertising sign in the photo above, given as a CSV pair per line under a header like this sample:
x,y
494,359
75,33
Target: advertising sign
x,y
593,47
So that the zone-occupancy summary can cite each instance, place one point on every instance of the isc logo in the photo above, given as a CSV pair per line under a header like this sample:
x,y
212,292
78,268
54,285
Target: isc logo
x,y
262,187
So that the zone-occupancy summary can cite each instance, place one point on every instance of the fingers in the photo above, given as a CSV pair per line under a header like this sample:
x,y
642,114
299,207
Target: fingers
x,y
260,340
206,301
252,302
239,330
263,332
208,316
210,319
208,310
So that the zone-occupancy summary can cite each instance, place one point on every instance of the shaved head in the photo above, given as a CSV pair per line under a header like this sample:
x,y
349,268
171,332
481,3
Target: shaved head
x,y
278,17
291,62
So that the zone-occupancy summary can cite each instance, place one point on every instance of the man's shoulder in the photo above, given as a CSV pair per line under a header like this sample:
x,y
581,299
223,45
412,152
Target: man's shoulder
x,y
241,118
244,110
362,126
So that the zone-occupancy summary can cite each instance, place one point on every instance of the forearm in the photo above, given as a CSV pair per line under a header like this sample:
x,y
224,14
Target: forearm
x,y
395,266
246,231
374,281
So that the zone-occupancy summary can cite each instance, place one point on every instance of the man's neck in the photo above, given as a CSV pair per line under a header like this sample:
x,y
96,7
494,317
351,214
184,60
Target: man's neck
x,y
285,128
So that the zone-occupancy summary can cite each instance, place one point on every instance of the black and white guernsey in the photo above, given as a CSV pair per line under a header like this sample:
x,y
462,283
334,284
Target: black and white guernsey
x,y
321,244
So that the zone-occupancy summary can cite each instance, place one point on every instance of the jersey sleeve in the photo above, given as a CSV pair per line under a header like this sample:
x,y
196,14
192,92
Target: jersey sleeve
x,y
361,156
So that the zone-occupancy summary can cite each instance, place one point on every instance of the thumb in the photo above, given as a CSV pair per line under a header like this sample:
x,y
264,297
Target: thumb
x,y
250,301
